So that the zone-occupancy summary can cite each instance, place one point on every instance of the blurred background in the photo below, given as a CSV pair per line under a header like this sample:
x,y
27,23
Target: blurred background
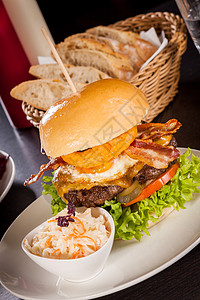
x,y
72,16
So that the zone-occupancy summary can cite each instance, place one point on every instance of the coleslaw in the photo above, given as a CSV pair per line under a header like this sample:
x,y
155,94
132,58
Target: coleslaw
x,y
83,236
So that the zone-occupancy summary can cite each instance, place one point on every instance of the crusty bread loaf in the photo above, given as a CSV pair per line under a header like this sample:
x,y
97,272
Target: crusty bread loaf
x,y
108,45
118,53
79,42
115,34
128,50
82,50
82,74
105,62
42,93
144,48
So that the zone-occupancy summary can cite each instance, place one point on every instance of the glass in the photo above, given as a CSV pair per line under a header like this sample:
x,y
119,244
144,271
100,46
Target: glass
x,y
190,11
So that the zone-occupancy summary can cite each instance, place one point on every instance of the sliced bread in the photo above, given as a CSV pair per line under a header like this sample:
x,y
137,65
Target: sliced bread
x,y
79,41
126,49
108,45
82,74
81,50
144,48
115,34
42,93
106,63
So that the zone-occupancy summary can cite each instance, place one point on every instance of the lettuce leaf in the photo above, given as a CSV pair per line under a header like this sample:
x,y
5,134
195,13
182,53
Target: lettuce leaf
x,y
57,204
131,222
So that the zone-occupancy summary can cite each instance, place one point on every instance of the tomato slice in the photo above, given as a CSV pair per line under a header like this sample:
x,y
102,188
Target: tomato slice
x,y
155,185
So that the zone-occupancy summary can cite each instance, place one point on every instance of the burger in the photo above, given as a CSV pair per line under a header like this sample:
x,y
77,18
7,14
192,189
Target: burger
x,y
103,154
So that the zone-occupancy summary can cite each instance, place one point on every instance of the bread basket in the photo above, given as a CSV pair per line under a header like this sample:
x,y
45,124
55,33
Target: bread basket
x,y
159,79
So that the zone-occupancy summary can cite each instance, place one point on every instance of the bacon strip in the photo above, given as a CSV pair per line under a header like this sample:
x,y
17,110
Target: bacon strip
x,y
157,130
54,163
142,149
152,154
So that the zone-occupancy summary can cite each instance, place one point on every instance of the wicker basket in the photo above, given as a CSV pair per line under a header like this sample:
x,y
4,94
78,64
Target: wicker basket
x,y
159,79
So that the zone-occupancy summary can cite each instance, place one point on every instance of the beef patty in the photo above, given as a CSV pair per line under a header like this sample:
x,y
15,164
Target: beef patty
x,y
148,173
95,196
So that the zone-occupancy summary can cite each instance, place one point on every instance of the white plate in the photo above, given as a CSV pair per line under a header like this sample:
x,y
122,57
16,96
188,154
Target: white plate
x,y
8,176
170,240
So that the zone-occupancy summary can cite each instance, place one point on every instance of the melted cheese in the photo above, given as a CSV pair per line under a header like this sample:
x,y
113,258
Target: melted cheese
x,y
68,178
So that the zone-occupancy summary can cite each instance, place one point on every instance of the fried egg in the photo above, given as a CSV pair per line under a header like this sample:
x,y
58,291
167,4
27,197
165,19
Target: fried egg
x,y
119,167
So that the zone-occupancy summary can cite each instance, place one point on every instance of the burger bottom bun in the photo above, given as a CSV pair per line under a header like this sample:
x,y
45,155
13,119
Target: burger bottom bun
x,y
166,212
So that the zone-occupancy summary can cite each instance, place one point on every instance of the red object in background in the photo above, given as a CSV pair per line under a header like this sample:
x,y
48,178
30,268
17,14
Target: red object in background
x,y
14,67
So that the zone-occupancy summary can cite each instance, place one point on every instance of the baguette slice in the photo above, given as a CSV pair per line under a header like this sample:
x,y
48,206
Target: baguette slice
x,y
90,42
42,93
144,48
77,73
126,50
115,34
104,62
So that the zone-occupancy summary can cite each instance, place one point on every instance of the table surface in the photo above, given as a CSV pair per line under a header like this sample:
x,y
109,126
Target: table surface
x,y
179,281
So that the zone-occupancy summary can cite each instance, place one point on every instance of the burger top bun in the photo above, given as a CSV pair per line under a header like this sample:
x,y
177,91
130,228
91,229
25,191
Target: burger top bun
x,y
100,112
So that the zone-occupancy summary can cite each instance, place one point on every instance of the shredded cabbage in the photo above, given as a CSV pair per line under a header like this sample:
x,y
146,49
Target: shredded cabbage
x,y
82,237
